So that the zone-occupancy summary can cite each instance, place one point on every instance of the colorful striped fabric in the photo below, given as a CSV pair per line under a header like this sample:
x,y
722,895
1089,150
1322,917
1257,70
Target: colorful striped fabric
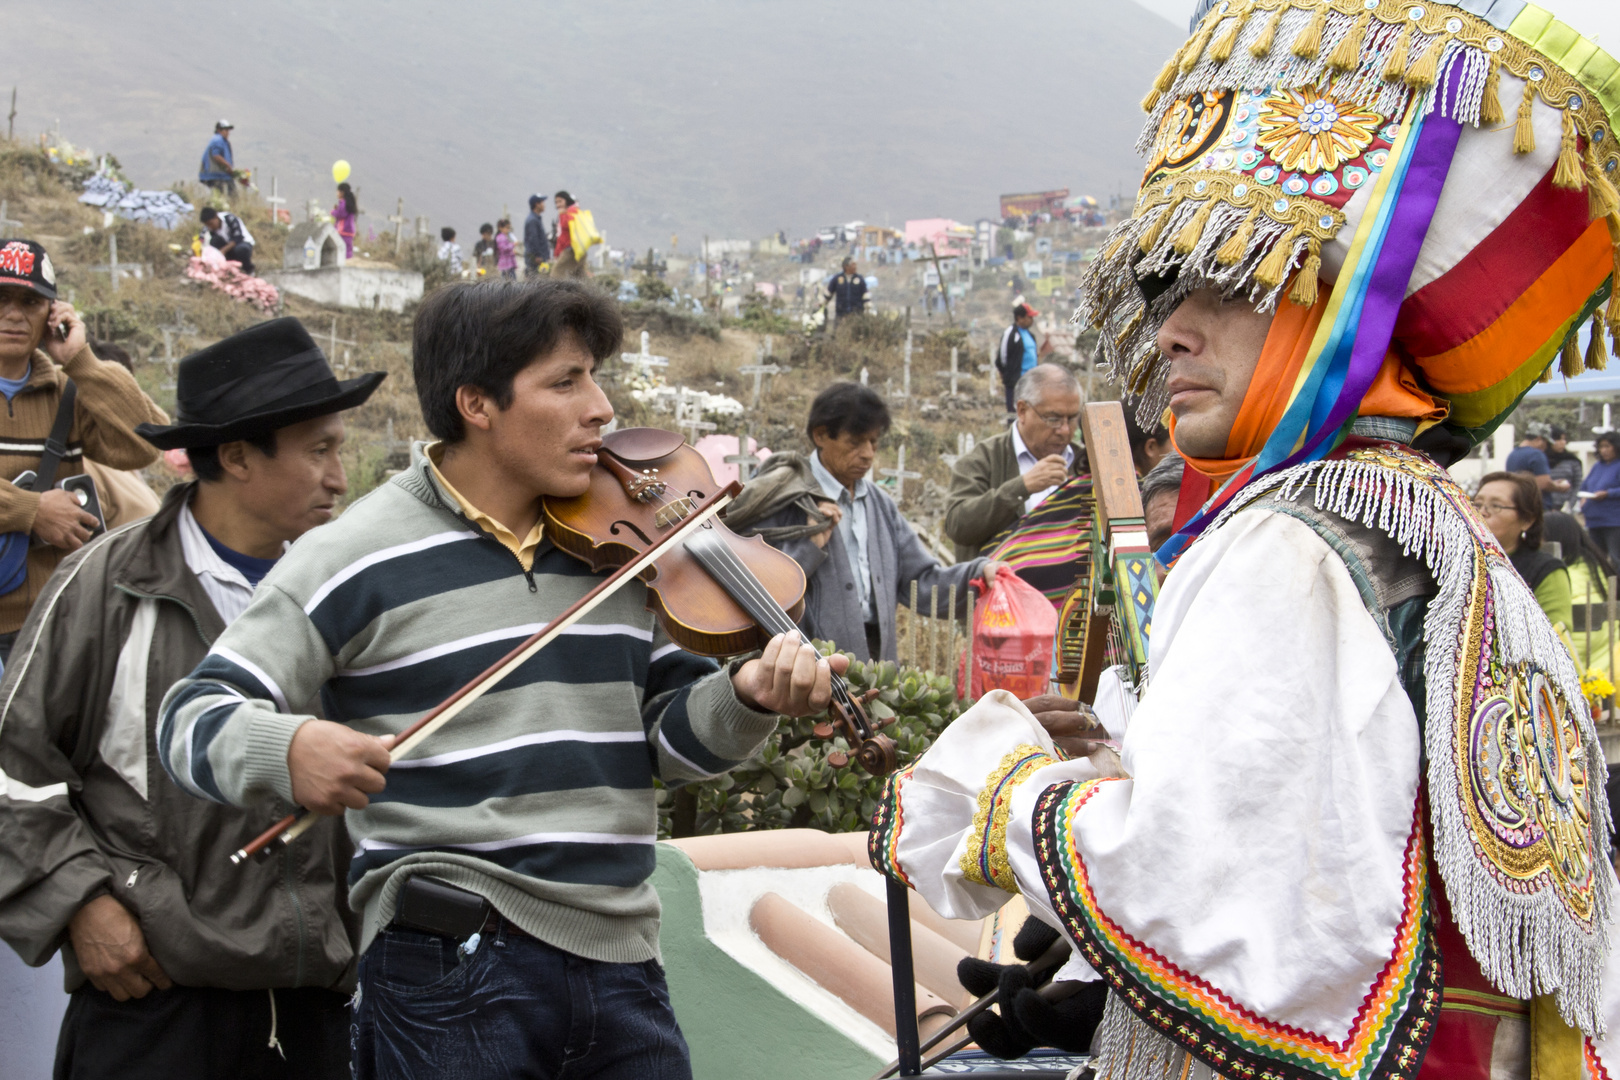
x,y
1048,545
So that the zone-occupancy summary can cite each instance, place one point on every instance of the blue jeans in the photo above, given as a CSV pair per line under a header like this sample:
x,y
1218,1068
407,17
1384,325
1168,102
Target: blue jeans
x,y
516,1007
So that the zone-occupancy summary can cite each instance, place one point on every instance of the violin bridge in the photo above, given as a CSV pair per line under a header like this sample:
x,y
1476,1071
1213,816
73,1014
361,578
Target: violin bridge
x,y
673,511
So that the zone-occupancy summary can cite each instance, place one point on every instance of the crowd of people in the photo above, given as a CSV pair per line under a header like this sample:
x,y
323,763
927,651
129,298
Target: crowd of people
x,y
1356,823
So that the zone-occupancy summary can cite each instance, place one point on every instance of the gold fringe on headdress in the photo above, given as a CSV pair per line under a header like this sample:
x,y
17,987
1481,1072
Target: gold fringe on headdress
x,y
1273,270
1597,357
1395,69
1424,73
1261,46
1221,50
1524,132
1490,103
1569,174
1130,327
1309,42
1570,364
1347,53
1601,194
1193,231
1194,50
1305,282
1151,238
1237,246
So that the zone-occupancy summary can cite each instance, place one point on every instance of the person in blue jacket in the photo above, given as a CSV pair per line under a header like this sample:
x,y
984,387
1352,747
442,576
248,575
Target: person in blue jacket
x,y
218,168
1600,496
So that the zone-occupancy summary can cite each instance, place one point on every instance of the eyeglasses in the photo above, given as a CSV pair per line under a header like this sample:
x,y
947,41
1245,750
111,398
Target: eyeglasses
x,y
1058,420
1491,508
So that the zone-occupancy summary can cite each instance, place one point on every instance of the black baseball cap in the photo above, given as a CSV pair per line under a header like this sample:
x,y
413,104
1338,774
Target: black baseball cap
x,y
25,263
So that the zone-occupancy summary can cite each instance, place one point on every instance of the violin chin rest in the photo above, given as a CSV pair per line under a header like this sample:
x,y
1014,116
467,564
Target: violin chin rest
x,y
633,445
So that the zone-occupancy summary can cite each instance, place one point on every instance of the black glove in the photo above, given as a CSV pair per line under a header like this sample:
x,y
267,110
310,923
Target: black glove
x,y
1027,1019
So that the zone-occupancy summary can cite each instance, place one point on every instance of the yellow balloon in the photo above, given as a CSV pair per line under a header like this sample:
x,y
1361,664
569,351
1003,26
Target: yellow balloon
x,y
340,171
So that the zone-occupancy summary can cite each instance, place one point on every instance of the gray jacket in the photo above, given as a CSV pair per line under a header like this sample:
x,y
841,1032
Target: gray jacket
x,y
87,809
832,605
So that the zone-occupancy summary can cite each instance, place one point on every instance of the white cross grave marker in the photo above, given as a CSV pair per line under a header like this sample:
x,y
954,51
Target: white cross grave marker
x,y
905,378
644,360
953,374
900,474
863,374
758,371
333,341
689,417
398,218
275,200
746,458
964,443
988,370
170,332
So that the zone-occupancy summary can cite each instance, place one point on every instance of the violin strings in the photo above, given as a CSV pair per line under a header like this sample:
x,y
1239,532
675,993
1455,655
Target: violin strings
x,y
741,582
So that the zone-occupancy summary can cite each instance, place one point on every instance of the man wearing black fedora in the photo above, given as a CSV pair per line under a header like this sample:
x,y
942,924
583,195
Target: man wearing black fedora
x,y
179,964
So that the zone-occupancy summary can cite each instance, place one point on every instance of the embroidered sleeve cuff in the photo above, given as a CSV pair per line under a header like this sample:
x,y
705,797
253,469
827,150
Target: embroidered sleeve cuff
x,y
984,861
264,769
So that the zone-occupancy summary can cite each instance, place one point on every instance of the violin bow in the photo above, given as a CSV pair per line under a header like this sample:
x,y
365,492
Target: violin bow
x,y
296,824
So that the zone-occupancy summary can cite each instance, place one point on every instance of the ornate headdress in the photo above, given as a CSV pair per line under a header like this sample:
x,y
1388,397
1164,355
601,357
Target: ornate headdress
x,y
1449,169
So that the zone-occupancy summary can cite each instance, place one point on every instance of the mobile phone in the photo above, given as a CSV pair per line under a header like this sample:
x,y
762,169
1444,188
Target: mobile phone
x,y
62,330
83,488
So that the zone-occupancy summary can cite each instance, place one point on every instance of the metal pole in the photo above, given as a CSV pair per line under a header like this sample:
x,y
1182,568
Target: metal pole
x,y
933,628
906,1038
914,623
950,646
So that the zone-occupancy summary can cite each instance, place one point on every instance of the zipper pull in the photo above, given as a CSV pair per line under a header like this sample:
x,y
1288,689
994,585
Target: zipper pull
x,y
133,874
529,574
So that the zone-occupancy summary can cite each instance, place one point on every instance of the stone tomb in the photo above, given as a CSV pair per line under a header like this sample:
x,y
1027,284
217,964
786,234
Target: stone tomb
x,y
314,267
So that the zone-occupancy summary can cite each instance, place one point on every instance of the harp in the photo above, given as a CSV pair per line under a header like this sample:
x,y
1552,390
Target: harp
x,y
1106,619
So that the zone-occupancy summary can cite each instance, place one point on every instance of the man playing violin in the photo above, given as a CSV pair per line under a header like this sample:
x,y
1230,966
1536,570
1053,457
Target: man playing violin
x,y
501,871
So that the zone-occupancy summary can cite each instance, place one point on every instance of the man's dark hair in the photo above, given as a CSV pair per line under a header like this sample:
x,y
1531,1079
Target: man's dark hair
x,y
483,333
564,198
486,227
205,459
208,214
535,199
107,350
447,233
847,406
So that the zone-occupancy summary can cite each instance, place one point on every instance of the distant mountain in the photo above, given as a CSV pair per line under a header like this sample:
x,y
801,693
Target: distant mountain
x,y
731,117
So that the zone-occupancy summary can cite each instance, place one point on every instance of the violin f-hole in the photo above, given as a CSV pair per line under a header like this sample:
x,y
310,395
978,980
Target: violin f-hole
x,y
633,527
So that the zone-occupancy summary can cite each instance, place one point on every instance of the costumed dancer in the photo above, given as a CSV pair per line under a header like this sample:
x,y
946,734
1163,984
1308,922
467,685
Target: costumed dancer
x,y
346,217
1363,831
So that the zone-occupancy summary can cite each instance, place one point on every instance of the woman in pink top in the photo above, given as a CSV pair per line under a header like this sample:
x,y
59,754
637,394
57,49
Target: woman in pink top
x,y
345,216
505,249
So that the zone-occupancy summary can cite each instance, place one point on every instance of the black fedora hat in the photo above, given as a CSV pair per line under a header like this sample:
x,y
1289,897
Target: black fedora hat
x,y
267,377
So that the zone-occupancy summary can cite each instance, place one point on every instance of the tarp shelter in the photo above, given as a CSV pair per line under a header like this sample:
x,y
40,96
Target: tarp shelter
x,y
948,237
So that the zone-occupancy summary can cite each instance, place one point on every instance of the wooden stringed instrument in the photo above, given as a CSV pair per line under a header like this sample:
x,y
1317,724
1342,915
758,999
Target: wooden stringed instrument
x,y
1108,616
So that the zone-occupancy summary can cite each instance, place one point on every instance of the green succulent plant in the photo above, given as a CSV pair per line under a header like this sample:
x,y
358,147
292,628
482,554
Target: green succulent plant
x,y
790,783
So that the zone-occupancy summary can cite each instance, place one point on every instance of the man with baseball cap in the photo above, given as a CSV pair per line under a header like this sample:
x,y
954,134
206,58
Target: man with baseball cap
x,y
48,375
536,241
1018,354
218,169
179,964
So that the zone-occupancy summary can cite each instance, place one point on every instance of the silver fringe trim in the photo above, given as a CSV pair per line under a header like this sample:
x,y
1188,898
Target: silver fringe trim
x,y
1130,1049
1525,944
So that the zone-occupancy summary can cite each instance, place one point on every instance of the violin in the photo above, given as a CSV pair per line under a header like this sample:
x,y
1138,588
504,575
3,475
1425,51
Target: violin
x,y
652,512
714,593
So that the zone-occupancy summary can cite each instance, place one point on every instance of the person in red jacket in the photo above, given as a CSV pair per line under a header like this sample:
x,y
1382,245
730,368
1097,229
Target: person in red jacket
x,y
564,264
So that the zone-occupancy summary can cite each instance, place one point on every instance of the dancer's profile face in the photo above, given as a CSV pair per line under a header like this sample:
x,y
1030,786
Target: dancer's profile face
x,y
1213,346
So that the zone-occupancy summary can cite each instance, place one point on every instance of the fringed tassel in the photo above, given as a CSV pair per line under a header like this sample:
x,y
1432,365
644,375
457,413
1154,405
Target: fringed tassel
x,y
1221,50
1130,327
1261,46
1546,376
1194,49
1305,282
1490,103
1273,269
1569,173
1602,197
1234,250
1347,53
1150,239
1395,68
1424,73
1570,363
1597,357
1162,84
1193,231
1309,42
1524,132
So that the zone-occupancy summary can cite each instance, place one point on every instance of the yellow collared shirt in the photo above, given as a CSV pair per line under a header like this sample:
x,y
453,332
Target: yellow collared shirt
x,y
524,549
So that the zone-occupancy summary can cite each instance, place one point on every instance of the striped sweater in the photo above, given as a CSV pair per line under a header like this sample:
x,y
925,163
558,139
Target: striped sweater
x,y
539,796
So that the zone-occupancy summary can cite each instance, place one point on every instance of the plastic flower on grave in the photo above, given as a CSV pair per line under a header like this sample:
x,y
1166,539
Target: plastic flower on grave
x,y
1595,684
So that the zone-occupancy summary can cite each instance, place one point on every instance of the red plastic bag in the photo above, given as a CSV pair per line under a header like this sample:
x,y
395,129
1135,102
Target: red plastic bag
x,y
1014,626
